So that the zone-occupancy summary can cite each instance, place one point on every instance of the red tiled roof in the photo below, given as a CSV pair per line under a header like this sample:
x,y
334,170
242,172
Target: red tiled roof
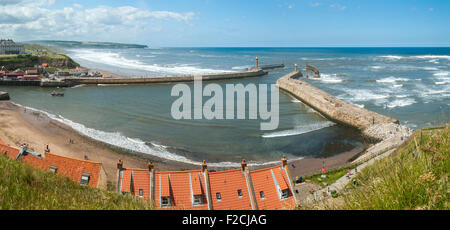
x,y
10,151
66,166
227,183
141,181
196,184
178,188
69,167
263,181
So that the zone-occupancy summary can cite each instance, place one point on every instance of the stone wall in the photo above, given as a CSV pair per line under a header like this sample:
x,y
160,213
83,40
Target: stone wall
x,y
330,106
187,78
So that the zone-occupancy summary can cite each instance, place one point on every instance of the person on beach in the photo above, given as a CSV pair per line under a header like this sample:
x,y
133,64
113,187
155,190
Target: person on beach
x,y
47,149
349,173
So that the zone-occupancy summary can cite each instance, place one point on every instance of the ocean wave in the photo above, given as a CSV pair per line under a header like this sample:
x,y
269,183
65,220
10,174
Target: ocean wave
x,y
77,86
136,145
362,95
400,103
432,57
392,57
299,130
391,80
397,86
442,73
328,78
116,60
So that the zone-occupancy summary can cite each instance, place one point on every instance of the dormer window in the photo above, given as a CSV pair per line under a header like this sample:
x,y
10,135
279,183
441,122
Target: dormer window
x,y
53,169
165,202
85,178
198,199
239,191
285,194
219,198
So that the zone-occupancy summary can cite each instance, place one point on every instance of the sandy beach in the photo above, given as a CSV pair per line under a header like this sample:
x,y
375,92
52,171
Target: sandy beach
x,y
19,125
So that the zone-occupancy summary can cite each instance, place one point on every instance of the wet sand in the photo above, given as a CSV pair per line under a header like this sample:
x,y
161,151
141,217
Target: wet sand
x,y
19,125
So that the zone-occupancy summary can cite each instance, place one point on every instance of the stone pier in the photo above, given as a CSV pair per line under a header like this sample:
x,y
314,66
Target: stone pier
x,y
153,80
380,128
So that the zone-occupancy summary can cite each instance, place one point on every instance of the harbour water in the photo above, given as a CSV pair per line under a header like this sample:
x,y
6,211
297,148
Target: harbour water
x,y
409,84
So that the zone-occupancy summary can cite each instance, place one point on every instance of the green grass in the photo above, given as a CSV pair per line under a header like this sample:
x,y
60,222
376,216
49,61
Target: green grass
x,y
24,188
415,177
331,176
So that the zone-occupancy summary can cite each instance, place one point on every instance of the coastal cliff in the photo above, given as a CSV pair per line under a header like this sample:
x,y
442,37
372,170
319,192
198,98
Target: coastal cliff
x,y
12,62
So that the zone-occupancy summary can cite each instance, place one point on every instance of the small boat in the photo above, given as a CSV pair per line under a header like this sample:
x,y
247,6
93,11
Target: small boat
x,y
57,94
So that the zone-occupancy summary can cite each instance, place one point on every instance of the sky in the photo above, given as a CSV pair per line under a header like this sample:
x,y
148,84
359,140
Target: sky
x,y
231,23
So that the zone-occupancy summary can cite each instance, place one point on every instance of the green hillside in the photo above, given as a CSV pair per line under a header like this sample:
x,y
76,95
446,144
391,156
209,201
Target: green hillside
x,y
415,177
24,188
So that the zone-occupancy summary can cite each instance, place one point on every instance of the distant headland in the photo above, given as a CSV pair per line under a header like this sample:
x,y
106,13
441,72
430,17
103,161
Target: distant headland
x,y
82,44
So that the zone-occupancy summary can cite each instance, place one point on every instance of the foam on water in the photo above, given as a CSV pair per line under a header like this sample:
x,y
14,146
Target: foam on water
x,y
328,78
400,103
299,130
392,57
391,80
116,60
442,73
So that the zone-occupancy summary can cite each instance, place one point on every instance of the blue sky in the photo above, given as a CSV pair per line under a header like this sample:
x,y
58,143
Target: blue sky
x,y
231,22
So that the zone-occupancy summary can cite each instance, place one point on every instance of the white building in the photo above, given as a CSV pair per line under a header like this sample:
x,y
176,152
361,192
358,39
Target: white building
x,y
10,47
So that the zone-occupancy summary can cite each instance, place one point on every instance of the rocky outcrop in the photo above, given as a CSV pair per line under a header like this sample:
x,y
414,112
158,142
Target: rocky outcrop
x,y
4,96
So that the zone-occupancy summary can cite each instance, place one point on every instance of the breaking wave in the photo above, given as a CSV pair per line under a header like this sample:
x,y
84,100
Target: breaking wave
x,y
299,130
115,59
400,103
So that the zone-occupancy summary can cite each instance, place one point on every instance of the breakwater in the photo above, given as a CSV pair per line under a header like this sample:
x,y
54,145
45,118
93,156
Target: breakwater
x,y
68,82
383,129
330,106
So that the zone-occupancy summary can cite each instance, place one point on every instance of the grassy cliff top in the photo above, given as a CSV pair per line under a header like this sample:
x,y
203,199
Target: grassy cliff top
x,y
415,177
23,187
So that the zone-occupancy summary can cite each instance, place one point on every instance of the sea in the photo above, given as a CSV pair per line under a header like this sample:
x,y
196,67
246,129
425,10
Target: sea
x,y
409,84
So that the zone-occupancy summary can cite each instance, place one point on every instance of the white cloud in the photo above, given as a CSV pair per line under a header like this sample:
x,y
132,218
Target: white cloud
x,y
315,4
338,6
11,2
29,20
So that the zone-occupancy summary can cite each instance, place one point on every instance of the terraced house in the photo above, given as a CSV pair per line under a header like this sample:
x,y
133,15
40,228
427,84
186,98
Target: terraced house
x,y
238,189
84,172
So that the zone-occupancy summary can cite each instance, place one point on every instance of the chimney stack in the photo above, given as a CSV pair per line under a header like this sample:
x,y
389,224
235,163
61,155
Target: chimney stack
x,y
204,166
284,161
120,164
243,165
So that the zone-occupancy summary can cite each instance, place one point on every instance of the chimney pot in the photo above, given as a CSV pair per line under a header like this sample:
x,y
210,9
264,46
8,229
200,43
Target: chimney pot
x,y
204,166
243,164
150,166
284,161
120,164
